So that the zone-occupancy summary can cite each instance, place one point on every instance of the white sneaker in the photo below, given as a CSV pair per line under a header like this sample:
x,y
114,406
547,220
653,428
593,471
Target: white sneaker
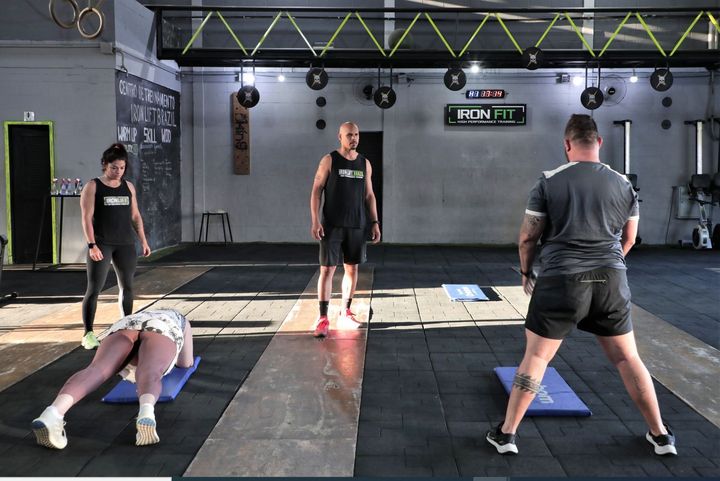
x,y
348,321
146,432
49,431
663,443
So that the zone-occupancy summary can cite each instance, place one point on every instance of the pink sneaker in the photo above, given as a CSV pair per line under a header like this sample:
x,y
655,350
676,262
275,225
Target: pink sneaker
x,y
322,327
347,320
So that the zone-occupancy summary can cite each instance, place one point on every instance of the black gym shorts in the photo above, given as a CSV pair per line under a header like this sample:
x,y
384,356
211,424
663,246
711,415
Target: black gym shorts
x,y
342,245
597,301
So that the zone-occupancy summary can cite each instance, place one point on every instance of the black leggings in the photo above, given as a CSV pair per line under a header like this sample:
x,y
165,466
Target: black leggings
x,y
124,260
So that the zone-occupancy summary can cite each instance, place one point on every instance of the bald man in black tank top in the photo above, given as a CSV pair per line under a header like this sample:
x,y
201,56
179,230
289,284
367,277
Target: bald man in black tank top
x,y
344,176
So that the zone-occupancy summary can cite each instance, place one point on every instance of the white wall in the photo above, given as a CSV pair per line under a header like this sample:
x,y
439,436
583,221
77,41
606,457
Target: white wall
x,y
73,88
441,184
71,82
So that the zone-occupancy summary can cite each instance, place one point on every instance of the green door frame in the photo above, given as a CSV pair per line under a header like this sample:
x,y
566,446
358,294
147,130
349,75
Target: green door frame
x,y
8,197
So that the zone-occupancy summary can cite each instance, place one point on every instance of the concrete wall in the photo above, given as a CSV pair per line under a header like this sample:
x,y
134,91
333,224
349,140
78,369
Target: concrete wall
x,y
72,87
271,203
71,82
441,184
29,20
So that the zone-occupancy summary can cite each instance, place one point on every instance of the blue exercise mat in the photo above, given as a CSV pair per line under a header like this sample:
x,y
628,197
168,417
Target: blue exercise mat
x,y
555,398
464,292
125,392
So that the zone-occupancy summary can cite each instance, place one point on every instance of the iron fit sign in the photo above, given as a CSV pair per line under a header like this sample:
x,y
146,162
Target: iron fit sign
x,y
485,114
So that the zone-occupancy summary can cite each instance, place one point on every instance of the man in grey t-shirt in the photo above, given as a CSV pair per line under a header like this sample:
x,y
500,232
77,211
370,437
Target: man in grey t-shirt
x,y
586,216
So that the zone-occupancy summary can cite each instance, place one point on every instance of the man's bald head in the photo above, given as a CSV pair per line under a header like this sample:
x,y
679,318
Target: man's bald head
x,y
349,136
345,126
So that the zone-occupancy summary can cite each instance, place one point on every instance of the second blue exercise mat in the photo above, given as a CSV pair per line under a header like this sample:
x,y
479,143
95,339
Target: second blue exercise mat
x,y
125,392
464,292
555,398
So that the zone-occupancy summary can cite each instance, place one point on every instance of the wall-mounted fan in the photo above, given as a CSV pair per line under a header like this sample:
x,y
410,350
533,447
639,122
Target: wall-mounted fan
x,y
613,89
364,89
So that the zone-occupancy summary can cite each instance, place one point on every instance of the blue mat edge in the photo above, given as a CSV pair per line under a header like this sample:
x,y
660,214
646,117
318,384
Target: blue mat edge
x,y
124,385
534,409
463,298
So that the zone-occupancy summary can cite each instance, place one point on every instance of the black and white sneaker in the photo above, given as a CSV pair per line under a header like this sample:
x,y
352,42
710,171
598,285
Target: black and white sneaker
x,y
504,443
664,444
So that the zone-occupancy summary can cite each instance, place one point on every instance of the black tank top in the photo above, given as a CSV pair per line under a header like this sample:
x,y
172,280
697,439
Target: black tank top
x,y
345,193
112,219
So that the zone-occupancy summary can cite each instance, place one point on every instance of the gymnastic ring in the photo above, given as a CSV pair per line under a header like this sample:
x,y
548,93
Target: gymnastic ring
x,y
60,23
88,11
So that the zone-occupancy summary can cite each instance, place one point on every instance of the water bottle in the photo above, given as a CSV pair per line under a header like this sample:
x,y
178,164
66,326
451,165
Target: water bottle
x,y
54,187
78,186
64,187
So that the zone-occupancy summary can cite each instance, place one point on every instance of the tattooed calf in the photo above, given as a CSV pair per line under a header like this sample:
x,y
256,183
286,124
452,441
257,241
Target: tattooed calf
x,y
526,383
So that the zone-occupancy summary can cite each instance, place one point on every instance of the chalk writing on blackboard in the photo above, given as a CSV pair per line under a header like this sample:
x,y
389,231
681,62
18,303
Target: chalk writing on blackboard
x,y
148,120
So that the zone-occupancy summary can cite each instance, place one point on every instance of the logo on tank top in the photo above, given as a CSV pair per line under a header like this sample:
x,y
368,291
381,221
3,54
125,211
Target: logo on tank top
x,y
113,200
351,174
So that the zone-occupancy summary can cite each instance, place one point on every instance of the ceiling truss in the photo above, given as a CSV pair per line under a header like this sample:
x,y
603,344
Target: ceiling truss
x,y
180,31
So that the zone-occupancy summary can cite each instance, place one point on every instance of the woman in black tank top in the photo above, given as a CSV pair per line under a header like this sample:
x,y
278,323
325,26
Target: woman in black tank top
x,y
110,221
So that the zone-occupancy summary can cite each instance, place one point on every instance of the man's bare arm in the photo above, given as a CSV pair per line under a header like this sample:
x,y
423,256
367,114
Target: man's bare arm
x,y
530,232
629,233
321,177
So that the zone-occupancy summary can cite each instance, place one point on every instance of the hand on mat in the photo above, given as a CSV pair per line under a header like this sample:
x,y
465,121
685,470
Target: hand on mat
x,y
317,231
528,284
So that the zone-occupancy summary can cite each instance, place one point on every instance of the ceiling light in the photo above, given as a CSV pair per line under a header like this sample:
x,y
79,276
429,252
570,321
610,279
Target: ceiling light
x,y
475,68
633,77
281,78
577,80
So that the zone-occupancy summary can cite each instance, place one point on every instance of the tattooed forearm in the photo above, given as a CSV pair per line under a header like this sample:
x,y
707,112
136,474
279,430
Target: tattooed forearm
x,y
533,226
639,385
526,383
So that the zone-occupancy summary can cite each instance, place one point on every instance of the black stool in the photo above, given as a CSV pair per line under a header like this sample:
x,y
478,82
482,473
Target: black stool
x,y
205,222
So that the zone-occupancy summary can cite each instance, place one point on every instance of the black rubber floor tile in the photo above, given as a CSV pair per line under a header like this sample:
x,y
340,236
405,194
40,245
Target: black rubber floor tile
x,y
395,466
533,446
443,466
589,465
426,426
466,382
405,404
372,429
709,472
529,464
482,463
468,429
689,467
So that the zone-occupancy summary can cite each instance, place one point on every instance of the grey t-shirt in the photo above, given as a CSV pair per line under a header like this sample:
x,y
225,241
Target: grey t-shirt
x,y
586,205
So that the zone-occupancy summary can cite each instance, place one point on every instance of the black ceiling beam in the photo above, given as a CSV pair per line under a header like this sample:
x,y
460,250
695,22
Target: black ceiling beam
x,y
369,58
225,8
438,59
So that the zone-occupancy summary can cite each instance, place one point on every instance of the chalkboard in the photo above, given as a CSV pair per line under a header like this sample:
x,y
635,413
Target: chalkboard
x,y
148,124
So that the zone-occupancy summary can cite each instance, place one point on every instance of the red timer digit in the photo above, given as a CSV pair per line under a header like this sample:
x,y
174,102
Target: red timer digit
x,y
485,94
494,94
